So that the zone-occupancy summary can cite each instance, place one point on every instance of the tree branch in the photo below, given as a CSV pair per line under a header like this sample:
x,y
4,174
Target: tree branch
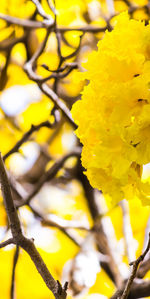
x,y
26,136
59,104
125,292
135,265
16,256
7,242
143,269
27,244
8,202
30,24
49,175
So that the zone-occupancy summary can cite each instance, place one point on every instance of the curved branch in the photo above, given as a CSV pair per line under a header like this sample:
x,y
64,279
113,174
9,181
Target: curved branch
x,y
26,136
49,175
20,240
7,242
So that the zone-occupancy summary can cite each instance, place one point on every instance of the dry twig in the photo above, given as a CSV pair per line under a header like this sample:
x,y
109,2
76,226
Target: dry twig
x,y
26,137
20,240
16,256
47,176
124,292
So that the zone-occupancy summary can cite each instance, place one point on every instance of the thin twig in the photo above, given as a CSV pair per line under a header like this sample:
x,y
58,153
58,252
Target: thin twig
x,y
47,176
8,202
88,28
4,77
52,8
40,50
41,11
47,23
26,23
101,240
76,50
56,74
26,136
29,66
49,223
7,242
59,104
55,221
8,44
135,265
16,256
20,240
143,269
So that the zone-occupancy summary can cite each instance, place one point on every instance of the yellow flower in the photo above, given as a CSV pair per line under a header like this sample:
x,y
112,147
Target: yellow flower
x,y
113,115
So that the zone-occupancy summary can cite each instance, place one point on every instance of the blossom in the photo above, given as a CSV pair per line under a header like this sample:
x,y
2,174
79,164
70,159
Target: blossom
x,y
113,115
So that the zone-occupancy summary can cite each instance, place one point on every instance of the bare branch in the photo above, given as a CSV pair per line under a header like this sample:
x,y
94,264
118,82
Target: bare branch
x,y
49,223
44,87
101,240
41,11
124,292
39,51
16,256
56,74
143,269
47,176
27,244
51,7
138,289
47,23
76,50
88,28
8,202
59,104
4,77
135,265
8,44
55,221
7,242
26,136
29,24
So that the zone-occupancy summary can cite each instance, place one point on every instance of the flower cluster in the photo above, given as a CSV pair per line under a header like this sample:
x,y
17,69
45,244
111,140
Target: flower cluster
x,y
113,115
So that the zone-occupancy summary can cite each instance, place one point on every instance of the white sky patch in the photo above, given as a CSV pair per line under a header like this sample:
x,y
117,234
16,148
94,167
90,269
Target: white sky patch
x,y
115,246
87,267
44,237
146,172
94,9
15,99
53,198
20,164
26,216
69,140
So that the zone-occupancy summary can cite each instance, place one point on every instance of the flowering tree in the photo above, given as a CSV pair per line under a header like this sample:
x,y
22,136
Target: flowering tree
x,y
60,237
